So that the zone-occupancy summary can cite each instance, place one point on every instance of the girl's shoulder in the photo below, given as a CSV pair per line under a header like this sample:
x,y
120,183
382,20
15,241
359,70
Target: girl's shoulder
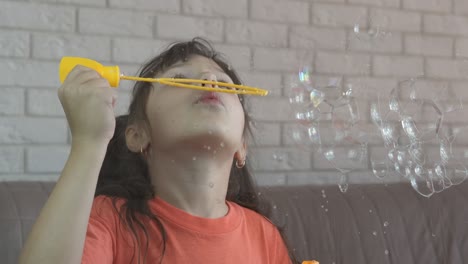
x,y
254,218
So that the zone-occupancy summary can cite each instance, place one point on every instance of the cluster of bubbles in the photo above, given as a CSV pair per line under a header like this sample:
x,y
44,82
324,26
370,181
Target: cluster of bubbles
x,y
410,121
419,144
328,122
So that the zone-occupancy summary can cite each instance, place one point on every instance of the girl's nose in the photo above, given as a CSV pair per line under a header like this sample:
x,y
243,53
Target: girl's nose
x,y
209,77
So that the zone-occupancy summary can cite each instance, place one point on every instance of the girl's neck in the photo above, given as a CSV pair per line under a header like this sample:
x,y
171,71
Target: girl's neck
x,y
196,184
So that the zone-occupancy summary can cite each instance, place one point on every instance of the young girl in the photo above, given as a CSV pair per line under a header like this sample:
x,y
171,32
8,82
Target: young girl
x,y
167,183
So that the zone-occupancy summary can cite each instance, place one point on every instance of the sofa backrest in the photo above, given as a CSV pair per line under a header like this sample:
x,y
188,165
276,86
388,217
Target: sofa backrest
x,y
374,224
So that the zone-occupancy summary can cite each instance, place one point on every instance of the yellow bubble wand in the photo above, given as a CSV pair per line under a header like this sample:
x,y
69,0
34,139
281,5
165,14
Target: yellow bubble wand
x,y
113,75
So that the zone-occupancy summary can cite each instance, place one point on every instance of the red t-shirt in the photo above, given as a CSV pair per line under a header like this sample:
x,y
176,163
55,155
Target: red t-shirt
x,y
241,236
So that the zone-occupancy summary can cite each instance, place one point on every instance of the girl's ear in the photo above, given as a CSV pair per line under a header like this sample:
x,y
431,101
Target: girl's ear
x,y
241,153
137,138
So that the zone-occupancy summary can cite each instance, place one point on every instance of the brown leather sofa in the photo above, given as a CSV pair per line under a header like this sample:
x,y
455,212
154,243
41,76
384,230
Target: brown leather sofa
x,y
369,224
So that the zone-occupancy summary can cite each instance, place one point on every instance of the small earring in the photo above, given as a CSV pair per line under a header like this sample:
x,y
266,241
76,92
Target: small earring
x,y
141,149
241,165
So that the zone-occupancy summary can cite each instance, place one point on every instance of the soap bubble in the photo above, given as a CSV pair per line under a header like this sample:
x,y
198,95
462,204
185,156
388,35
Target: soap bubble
x,y
369,30
417,139
328,121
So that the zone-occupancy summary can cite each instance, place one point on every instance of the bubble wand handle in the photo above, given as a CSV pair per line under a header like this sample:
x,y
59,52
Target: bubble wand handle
x,y
112,74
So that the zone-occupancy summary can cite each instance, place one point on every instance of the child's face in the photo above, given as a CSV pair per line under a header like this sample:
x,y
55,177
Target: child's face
x,y
177,116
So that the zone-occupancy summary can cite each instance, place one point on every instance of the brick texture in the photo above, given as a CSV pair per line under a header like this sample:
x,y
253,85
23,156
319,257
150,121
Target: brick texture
x,y
353,64
115,22
446,24
257,33
98,3
277,59
287,11
11,159
22,15
224,8
183,27
368,46
21,130
12,101
398,66
29,73
54,46
44,102
428,45
130,50
441,6
338,15
461,7
154,5
14,43
46,159
317,38
394,20
383,3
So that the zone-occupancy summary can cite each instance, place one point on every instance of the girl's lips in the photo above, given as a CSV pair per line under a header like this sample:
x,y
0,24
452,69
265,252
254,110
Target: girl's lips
x,y
209,101
210,98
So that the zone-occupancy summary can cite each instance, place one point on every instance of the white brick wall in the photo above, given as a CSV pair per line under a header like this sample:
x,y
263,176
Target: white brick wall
x,y
11,159
441,6
446,24
23,15
30,130
428,45
46,158
12,101
154,5
55,46
287,11
43,102
115,22
14,43
257,33
461,7
396,20
398,66
28,72
266,41
317,38
338,15
79,2
128,50
177,27
224,8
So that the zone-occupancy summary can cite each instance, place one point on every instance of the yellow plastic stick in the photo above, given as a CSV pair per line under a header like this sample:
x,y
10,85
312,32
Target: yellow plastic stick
x,y
112,74
236,88
310,262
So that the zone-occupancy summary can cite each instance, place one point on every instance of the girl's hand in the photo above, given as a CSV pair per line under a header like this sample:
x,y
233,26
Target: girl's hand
x,y
88,102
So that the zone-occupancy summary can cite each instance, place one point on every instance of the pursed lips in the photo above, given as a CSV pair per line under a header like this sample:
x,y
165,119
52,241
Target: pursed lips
x,y
210,97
